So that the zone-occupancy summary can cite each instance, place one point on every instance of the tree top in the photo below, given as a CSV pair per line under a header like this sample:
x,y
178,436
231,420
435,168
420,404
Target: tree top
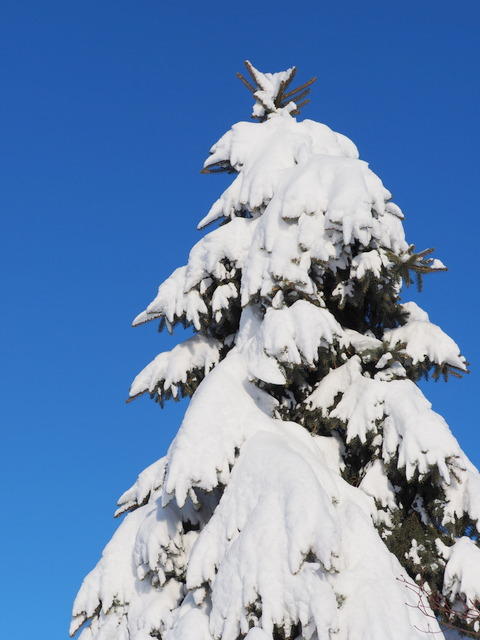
x,y
270,91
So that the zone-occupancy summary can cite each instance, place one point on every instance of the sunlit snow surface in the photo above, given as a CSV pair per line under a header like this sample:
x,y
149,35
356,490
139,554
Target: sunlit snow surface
x,y
287,531
275,536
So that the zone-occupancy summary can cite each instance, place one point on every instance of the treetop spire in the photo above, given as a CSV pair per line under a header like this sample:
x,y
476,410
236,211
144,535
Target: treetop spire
x,y
270,91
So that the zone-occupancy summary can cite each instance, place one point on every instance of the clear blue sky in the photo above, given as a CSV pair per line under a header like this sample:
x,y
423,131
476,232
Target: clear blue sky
x,y
107,112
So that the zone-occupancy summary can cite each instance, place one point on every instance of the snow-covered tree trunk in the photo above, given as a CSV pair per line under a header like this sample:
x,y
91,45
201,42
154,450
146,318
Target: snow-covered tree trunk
x,y
310,482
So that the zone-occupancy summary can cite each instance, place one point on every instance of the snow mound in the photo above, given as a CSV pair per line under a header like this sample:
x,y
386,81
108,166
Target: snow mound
x,y
317,547
215,426
113,587
400,407
171,369
375,483
425,341
292,335
462,571
174,303
373,262
463,493
318,208
216,258
268,512
148,481
260,152
190,622
336,381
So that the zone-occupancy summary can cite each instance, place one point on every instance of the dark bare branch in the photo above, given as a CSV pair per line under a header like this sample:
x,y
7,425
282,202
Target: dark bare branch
x,y
300,88
246,82
434,604
296,99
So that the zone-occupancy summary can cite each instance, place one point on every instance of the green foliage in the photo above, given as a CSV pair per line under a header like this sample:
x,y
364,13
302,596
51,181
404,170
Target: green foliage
x,y
418,263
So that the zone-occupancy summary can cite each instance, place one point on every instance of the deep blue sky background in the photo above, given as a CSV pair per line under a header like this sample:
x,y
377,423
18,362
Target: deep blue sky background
x,y
107,112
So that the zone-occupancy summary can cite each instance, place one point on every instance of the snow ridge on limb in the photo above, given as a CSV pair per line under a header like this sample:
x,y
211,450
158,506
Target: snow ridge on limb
x,y
310,480
148,481
187,295
178,370
399,406
462,496
289,336
462,571
425,342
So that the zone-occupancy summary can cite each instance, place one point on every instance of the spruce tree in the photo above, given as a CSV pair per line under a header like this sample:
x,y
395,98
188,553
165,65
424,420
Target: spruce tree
x,y
311,492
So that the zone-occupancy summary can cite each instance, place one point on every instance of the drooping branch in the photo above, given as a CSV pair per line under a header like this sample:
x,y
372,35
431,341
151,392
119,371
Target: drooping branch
x,y
219,167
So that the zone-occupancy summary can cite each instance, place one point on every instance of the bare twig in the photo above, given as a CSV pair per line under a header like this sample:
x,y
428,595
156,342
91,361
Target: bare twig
x,y
436,604
303,86
245,82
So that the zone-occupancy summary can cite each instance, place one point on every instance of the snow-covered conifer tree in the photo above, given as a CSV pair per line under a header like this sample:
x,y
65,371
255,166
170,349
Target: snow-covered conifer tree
x,y
311,492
